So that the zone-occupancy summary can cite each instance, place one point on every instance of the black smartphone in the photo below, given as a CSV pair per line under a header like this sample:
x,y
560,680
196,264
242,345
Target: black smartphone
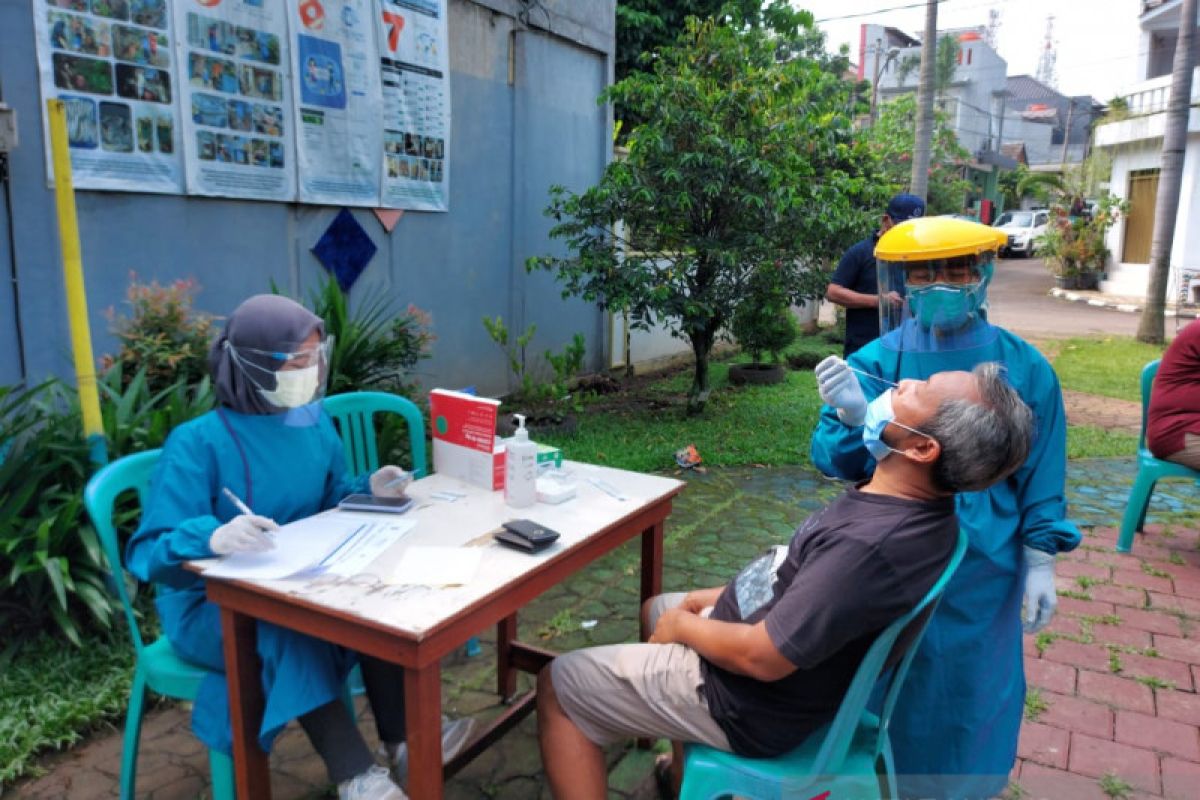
x,y
369,502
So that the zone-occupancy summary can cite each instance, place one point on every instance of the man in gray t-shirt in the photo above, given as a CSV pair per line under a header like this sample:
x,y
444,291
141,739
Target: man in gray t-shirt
x,y
753,667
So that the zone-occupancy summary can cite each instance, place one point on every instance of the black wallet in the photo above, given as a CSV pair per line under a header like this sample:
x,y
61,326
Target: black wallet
x,y
525,535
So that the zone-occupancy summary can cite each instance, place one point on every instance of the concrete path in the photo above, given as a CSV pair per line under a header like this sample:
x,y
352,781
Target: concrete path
x,y
1020,301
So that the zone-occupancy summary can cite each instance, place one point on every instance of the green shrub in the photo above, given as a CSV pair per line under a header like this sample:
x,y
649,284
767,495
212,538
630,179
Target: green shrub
x,y
162,334
375,348
52,571
537,392
764,323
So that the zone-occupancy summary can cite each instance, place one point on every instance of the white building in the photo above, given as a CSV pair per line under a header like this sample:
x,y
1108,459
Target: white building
x,y
1135,145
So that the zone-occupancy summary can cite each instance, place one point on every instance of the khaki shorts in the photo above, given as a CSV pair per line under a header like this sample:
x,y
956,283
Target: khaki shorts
x,y
623,691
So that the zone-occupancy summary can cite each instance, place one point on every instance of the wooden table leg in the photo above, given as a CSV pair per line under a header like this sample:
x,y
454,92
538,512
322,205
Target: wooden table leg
x,y
242,671
423,724
506,674
652,559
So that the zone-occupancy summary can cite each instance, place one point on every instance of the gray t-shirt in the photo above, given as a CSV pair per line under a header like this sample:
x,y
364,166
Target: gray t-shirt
x,y
850,570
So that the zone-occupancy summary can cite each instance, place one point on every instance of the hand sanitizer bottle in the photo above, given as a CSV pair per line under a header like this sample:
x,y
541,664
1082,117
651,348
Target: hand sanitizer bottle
x,y
520,468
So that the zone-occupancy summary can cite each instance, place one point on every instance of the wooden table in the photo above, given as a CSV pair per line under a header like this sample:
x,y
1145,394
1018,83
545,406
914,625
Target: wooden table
x,y
592,524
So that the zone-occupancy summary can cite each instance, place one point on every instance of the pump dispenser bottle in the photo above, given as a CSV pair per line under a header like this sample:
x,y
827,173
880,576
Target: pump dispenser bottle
x,y
520,468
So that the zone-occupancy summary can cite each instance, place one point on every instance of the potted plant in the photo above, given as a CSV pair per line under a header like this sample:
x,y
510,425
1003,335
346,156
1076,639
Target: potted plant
x,y
1074,245
763,323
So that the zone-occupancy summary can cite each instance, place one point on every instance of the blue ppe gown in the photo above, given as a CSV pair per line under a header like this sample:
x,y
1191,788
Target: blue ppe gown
x,y
957,722
284,466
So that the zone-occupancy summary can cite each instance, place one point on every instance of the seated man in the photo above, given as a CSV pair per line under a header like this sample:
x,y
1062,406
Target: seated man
x,y
757,665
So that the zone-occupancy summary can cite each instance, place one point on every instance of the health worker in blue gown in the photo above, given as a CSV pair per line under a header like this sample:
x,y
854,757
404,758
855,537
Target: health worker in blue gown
x,y
270,443
956,726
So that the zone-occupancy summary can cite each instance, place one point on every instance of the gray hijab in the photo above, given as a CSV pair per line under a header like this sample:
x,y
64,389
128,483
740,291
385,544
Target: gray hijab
x,y
267,322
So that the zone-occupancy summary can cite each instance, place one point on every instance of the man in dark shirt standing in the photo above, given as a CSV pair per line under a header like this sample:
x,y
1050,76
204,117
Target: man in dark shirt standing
x,y
755,666
854,285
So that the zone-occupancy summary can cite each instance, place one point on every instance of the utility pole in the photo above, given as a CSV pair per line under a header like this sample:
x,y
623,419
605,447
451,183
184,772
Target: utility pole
x,y
919,185
1067,133
1166,205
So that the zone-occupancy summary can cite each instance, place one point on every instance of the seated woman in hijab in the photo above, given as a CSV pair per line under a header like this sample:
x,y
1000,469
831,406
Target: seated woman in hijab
x,y
271,444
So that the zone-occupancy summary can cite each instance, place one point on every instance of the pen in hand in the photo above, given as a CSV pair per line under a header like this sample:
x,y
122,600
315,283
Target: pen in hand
x,y
253,525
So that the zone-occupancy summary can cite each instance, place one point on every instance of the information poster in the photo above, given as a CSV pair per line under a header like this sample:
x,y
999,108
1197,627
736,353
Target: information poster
x,y
415,77
238,139
111,63
337,109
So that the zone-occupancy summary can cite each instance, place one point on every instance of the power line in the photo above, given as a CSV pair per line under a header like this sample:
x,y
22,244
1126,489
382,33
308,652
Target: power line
x,y
879,11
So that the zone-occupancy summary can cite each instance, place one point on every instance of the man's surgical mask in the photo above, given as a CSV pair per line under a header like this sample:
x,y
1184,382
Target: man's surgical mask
x,y
879,415
293,387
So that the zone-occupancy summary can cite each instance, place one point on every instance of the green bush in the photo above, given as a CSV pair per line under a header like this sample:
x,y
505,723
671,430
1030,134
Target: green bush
x,y
162,334
536,392
52,571
375,348
764,323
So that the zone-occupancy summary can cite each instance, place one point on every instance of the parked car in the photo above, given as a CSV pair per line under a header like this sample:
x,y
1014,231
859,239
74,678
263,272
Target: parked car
x,y
1023,228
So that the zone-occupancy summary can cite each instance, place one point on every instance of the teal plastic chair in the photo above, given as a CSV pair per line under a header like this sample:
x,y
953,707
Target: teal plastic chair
x,y
1150,471
157,667
354,414
851,757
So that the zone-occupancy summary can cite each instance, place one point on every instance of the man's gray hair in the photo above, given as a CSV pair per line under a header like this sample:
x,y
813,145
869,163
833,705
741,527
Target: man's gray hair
x,y
985,442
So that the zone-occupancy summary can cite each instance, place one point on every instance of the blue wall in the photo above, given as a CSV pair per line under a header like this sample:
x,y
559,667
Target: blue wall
x,y
509,143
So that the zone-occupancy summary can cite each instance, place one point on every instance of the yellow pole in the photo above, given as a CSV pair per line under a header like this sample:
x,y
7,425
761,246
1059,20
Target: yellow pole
x,y
68,234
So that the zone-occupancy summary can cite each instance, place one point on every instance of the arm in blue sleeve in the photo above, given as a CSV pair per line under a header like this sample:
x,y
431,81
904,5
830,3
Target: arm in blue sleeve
x,y
1041,482
178,520
837,449
338,481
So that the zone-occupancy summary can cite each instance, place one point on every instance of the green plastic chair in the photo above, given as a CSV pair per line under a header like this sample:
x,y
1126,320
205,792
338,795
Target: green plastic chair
x,y
1150,471
157,666
354,414
851,757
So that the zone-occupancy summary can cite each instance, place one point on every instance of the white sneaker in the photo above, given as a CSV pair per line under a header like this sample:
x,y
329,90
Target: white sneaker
x,y
455,736
374,784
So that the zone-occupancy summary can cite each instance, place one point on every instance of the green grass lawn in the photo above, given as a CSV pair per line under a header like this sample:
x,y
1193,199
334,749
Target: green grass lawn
x,y
1110,367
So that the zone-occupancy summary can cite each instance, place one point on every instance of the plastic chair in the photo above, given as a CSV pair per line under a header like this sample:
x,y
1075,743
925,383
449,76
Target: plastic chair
x,y
157,667
354,414
1150,471
849,757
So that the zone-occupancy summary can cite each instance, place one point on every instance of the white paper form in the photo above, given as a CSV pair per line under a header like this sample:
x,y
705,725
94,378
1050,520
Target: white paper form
x,y
299,546
437,566
356,553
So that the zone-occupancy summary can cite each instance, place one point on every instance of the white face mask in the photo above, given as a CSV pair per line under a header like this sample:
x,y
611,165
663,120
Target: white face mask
x,y
293,387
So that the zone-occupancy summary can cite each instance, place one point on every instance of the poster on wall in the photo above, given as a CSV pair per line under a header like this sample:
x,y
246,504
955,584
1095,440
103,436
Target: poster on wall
x,y
336,110
111,63
414,69
234,96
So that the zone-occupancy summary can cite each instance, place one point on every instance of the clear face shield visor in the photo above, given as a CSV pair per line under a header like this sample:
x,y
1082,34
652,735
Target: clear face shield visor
x,y
290,377
935,305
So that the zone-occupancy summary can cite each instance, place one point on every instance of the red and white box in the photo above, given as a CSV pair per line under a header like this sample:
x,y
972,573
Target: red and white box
x,y
464,438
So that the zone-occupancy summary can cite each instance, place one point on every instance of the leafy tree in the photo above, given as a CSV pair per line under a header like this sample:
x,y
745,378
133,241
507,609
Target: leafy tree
x,y
746,161
892,138
646,26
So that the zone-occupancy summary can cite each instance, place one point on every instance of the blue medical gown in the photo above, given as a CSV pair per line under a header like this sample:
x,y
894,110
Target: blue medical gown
x,y
295,470
956,725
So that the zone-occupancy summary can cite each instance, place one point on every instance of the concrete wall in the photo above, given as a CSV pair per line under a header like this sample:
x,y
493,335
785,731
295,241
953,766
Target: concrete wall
x,y
509,143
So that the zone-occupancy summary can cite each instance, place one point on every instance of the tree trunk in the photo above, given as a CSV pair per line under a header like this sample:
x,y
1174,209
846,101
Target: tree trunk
x,y
702,342
1166,206
919,185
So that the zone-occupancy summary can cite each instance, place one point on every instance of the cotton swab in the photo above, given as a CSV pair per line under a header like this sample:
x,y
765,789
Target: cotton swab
x,y
869,375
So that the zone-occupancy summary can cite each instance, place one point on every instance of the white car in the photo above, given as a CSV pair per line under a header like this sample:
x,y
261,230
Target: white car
x,y
1023,229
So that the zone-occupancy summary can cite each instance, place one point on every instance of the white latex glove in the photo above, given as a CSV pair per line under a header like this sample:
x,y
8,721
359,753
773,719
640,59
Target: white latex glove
x,y
1040,597
245,533
384,476
839,388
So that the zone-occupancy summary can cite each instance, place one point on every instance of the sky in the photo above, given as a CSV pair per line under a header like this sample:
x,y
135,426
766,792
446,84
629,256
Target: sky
x,y
1097,40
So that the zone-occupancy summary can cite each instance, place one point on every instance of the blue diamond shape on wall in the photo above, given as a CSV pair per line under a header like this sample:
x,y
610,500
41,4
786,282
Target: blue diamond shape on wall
x,y
345,249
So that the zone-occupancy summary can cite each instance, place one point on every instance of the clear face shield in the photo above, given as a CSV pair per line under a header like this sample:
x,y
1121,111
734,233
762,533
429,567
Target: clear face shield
x,y
935,305
293,376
